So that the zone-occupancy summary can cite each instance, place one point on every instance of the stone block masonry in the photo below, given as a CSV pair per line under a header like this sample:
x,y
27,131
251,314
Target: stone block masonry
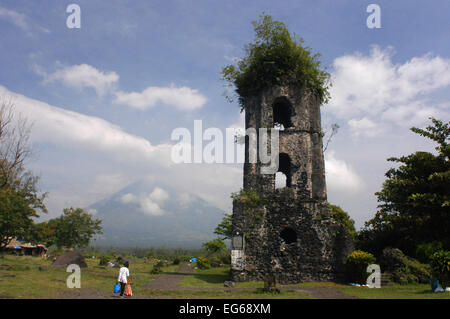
x,y
288,232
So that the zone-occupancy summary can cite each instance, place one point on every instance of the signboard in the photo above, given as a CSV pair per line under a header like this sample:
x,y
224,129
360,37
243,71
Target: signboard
x,y
237,259
237,242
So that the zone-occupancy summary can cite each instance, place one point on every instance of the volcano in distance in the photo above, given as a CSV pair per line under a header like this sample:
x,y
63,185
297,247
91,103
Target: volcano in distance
x,y
146,214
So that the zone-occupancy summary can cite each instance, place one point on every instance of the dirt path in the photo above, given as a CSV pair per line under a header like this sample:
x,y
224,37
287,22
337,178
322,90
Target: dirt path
x,y
170,281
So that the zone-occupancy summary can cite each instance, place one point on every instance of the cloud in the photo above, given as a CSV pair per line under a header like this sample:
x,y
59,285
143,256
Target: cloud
x,y
365,127
182,98
159,195
340,176
20,20
86,76
150,203
68,129
128,198
82,76
372,90
104,159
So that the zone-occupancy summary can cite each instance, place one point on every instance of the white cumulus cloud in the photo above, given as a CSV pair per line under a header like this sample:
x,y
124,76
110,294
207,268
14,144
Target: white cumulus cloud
x,y
84,75
149,204
371,91
182,98
340,176
67,128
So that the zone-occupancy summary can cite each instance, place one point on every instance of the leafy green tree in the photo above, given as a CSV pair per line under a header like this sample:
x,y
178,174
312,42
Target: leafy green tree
x,y
214,246
16,215
20,201
275,56
225,227
340,216
75,228
414,199
43,233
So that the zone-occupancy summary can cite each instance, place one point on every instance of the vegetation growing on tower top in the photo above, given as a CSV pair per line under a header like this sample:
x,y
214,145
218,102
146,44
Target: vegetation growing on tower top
x,y
275,56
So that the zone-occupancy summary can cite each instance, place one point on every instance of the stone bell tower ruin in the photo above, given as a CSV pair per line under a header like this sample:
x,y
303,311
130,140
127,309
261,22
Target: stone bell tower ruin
x,y
286,232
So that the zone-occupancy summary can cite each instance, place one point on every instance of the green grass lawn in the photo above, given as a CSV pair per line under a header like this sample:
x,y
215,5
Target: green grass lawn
x,y
25,280
222,294
215,277
411,291
21,278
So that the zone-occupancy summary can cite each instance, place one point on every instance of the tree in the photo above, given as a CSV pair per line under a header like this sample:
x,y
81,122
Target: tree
x,y
43,233
341,217
75,228
415,198
20,200
225,227
275,56
214,246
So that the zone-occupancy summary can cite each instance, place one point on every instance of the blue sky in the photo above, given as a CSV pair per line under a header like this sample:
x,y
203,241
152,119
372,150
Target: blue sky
x,y
385,80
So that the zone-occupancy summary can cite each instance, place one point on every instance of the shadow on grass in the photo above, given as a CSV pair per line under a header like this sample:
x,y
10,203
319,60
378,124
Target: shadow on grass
x,y
211,278
428,292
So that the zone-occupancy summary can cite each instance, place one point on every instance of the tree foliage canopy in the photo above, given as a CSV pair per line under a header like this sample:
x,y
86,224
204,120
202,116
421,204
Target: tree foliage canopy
x,y
225,227
75,228
276,56
415,207
20,200
341,217
214,246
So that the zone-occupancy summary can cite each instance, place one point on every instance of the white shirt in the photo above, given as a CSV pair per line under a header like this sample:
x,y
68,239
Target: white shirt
x,y
123,273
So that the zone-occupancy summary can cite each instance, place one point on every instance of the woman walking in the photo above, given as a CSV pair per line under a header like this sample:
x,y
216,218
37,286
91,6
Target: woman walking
x,y
124,276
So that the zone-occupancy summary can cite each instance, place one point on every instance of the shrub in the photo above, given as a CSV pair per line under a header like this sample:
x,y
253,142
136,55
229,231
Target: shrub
x,y
104,259
425,250
440,266
274,56
203,263
403,269
225,257
356,266
215,246
157,268
176,261
250,198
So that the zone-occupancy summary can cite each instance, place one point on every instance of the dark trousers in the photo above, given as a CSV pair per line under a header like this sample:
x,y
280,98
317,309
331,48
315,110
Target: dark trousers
x,y
122,288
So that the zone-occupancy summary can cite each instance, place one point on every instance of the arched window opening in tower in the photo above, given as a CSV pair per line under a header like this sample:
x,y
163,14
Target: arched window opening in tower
x,y
288,236
284,167
282,113
280,180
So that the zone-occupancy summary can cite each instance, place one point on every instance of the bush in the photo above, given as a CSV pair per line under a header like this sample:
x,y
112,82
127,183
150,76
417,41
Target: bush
x,y
440,267
176,261
203,263
356,266
104,259
403,269
157,268
225,257
425,250
274,56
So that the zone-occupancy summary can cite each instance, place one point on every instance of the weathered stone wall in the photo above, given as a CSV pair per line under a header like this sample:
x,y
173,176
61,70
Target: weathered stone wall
x,y
302,142
321,246
317,254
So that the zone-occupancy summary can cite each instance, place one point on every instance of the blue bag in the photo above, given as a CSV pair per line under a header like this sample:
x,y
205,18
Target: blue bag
x,y
116,288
